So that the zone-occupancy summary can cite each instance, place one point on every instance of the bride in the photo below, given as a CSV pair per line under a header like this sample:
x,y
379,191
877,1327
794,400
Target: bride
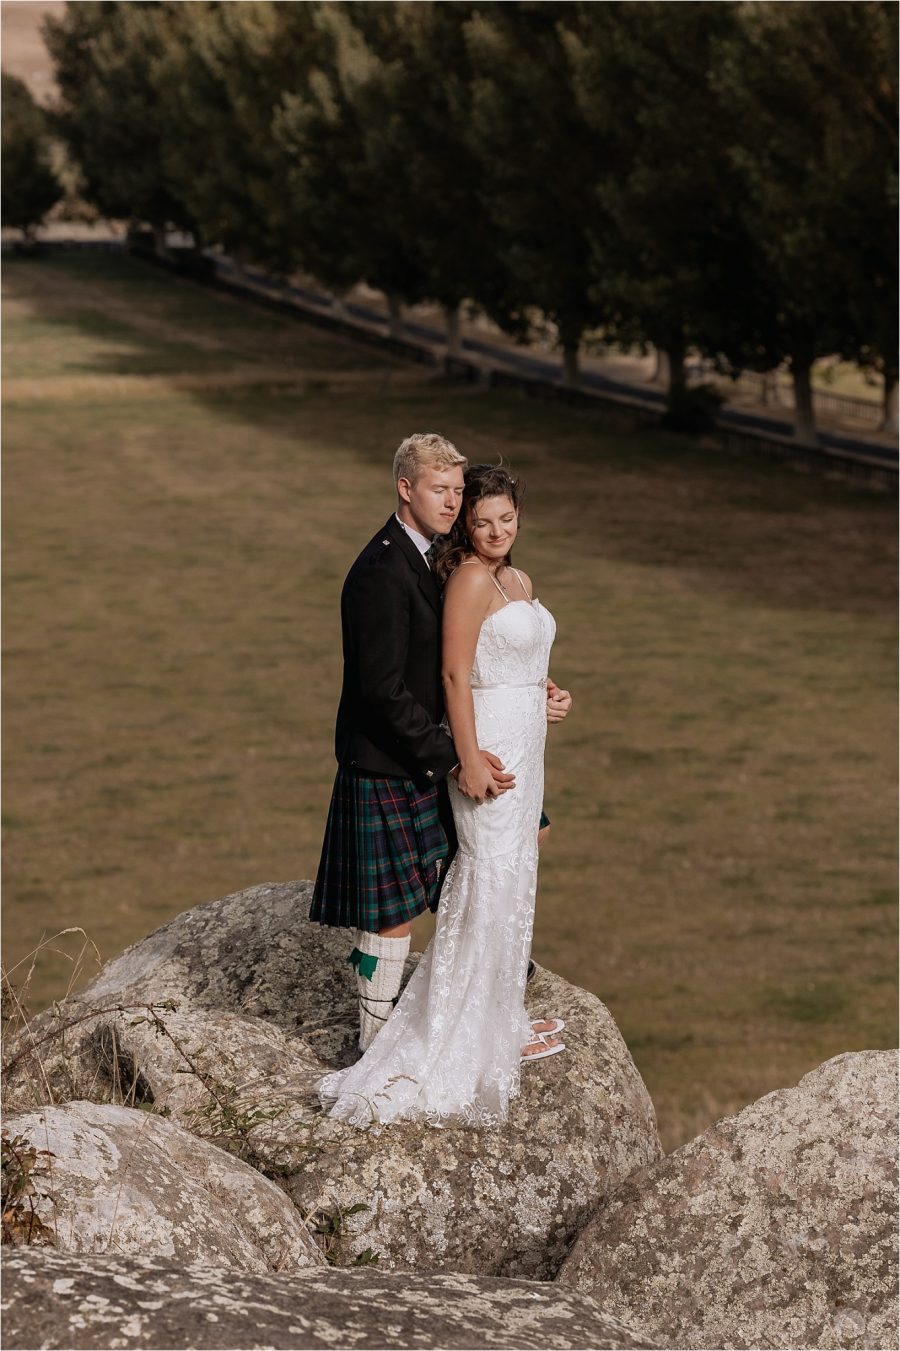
x,y
450,1053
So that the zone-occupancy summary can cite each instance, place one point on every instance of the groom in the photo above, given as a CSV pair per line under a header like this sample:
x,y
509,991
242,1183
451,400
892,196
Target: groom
x,y
389,830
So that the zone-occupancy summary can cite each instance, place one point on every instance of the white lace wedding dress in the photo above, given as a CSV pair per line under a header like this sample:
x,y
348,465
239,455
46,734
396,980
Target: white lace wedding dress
x,y
450,1052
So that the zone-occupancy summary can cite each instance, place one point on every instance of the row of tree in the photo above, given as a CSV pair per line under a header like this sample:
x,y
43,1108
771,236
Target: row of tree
x,y
715,176
29,186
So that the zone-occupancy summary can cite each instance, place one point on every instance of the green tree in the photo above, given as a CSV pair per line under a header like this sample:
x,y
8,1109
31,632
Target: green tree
x,y
867,223
414,105
222,76
539,163
30,187
109,112
670,248
812,92
349,226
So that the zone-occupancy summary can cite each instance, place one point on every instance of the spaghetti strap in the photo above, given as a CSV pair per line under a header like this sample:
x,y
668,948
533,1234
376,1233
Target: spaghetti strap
x,y
497,585
494,579
521,583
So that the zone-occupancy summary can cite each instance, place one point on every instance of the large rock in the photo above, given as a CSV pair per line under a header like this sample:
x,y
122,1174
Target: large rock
x,y
125,1181
776,1227
57,1300
266,1003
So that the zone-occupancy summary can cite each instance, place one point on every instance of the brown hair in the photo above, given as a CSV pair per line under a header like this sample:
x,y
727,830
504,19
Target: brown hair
x,y
481,480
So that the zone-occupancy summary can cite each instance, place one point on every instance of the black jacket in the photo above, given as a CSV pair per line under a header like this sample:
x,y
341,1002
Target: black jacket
x,y
392,699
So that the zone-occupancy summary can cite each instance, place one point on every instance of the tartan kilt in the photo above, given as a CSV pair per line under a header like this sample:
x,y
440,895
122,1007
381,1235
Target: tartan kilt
x,y
384,855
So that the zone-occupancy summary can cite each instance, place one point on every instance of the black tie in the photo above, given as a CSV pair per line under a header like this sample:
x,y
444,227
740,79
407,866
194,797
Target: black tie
x,y
431,553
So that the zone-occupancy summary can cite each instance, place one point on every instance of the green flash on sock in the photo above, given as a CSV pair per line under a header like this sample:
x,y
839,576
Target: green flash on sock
x,y
364,963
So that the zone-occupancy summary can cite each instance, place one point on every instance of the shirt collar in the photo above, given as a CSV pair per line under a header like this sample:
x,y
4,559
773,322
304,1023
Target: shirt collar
x,y
421,543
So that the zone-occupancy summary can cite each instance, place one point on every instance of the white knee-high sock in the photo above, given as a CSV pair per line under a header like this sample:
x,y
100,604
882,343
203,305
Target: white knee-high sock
x,y
378,991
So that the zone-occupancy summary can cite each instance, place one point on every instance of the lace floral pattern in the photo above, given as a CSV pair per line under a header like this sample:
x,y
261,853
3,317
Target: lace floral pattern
x,y
449,1054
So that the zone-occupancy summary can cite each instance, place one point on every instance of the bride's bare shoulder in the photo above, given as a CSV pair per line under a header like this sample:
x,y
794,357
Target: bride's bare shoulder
x,y
471,578
525,580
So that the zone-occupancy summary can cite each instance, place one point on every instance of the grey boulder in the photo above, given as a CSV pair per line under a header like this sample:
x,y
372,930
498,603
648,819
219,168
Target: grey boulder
x,y
776,1227
125,1181
266,1004
58,1300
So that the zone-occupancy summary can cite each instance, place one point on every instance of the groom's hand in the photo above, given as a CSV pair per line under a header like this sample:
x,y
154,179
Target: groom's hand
x,y
558,702
502,781
483,778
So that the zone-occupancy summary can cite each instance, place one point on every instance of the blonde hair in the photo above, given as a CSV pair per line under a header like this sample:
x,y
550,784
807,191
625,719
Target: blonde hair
x,y
425,449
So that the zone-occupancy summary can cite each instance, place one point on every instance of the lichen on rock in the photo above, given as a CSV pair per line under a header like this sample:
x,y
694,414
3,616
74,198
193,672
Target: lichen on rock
x,y
776,1227
126,1181
266,1004
56,1300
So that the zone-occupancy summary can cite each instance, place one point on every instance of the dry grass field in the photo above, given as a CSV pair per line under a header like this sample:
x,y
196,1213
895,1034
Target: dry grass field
x,y
187,479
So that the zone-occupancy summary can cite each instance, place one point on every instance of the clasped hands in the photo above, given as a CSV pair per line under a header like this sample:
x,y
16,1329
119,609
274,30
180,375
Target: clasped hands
x,y
485,776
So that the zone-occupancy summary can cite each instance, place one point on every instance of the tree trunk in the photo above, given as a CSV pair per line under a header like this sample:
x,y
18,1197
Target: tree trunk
x,y
889,422
454,345
661,368
338,306
570,365
804,419
160,247
395,314
770,395
674,357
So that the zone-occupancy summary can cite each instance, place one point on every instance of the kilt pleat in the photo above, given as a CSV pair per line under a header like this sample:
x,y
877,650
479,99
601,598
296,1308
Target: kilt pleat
x,y
384,854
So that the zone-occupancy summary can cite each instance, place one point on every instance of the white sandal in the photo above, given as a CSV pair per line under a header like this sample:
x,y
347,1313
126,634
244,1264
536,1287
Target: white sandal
x,y
548,1050
558,1025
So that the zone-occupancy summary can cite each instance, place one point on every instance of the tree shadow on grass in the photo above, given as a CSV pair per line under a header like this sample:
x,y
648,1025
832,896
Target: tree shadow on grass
x,y
753,529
